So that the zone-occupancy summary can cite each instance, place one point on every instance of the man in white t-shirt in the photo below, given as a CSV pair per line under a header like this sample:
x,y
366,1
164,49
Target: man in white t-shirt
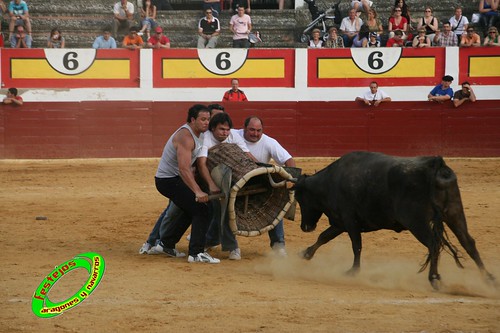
x,y
459,23
264,148
123,16
349,27
374,96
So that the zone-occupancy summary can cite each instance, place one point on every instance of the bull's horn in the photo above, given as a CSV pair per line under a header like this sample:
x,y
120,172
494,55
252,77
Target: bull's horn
x,y
274,184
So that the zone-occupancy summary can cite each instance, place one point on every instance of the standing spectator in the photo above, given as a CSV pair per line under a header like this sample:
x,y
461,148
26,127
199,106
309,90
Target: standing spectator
x,y
489,12
158,40
374,96
235,4
19,15
20,39
334,41
470,39
459,23
213,5
463,95
492,38
397,40
148,18
234,94
447,37
12,97
316,41
175,180
208,30
421,40
241,26
442,92
397,22
133,41
264,148
55,40
429,22
105,41
123,12
350,26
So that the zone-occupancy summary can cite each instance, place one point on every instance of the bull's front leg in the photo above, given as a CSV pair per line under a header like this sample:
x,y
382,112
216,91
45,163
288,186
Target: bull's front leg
x,y
323,238
356,249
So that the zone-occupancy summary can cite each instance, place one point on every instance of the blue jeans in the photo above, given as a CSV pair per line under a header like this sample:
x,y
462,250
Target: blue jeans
x,y
277,235
216,236
170,214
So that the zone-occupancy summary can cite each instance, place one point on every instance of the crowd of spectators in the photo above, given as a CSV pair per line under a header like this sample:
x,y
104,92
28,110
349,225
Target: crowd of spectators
x,y
361,27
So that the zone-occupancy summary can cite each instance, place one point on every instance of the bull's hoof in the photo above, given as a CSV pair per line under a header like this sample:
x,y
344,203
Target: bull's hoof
x,y
307,254
353,271
435,281
490,280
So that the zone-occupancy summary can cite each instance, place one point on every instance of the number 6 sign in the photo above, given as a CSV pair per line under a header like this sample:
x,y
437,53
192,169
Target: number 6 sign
x,y
376,61
70,61
222,62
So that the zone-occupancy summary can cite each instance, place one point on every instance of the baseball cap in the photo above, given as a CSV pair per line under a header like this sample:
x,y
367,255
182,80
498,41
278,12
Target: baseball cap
x,y
448,78
159,29
373,34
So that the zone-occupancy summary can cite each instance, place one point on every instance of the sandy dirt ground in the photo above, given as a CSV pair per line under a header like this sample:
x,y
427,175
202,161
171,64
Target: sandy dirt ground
x,y
110,206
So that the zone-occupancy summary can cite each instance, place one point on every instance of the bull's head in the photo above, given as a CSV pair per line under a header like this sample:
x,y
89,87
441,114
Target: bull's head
x,y
308,204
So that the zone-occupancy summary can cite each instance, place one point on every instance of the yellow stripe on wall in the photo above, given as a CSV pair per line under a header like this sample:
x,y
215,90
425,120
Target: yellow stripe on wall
x,y
253,68
484,66
40,69
346,68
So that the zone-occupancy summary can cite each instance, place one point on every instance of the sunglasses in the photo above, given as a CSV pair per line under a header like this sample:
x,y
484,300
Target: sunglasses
x,y
397,10
208,12
428,11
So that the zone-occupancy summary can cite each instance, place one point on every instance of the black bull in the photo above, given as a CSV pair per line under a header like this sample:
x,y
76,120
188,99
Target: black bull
x,y
363,192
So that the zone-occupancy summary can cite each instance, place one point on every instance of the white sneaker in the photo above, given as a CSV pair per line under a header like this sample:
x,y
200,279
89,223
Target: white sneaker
x,y
203,257
279,250
159,249
145,248
235,254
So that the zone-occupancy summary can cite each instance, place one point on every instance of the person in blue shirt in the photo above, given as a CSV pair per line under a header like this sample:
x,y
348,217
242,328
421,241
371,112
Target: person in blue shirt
x,y
19,15
106,41
442,92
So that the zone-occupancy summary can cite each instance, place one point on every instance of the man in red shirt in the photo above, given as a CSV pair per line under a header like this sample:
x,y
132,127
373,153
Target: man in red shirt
x,y
12,97
159,40
397,40
235,94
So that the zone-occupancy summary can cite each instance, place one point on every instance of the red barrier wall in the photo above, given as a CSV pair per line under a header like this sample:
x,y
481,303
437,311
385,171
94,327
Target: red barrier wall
x,y
140,129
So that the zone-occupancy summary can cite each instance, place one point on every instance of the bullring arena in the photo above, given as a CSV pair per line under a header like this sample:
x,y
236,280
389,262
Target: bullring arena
x,y
77,162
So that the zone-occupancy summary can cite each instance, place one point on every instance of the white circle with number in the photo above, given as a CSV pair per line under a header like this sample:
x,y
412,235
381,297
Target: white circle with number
x,y
222,61
70,61
376,61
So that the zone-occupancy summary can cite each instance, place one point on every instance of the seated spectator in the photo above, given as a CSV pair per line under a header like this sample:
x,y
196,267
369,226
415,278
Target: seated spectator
x,y
373,22
316,41
213,5
397,23
361,39
208,30
361,5
234,94
374,96
133,41
429,22
241,26
350,26
463,95
447,37
421,40
374,40
159,40
12,97
334,41
442,92
148,18
105,41
55,40
19,15
470,39
397,40
488,9
405,12
492,38
123,16
20,39
459,23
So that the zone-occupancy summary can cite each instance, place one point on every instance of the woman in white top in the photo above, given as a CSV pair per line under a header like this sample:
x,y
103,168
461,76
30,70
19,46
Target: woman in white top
x,y
316,42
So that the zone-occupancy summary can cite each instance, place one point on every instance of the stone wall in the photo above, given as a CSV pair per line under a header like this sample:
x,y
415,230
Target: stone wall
x,y
82,20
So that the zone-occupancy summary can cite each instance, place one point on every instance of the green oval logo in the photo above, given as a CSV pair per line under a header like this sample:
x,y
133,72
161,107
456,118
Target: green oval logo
x,y
91,261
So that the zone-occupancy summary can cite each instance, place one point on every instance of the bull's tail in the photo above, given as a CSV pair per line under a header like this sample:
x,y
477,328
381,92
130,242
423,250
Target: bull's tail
x,y
440,241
